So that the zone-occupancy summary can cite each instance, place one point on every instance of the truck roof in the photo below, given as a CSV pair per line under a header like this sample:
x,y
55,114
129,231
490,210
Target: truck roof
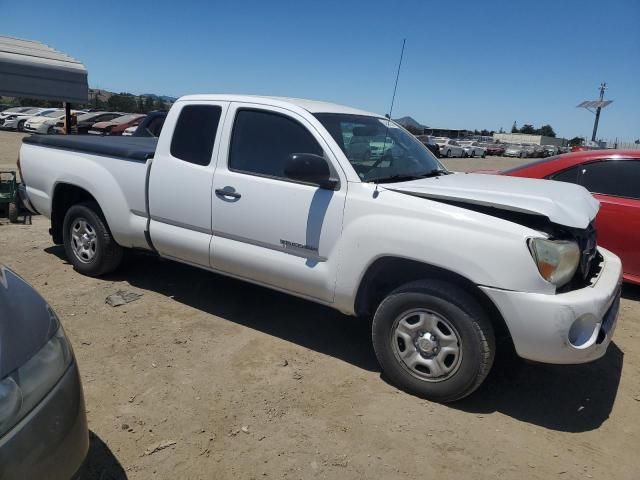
x,y
311,106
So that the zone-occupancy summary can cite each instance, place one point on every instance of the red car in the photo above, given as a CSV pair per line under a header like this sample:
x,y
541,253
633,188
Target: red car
x,y
613,176
117,125
494,148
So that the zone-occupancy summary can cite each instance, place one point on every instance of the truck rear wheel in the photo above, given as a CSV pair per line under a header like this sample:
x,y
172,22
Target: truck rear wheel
x,y
434,340
88,242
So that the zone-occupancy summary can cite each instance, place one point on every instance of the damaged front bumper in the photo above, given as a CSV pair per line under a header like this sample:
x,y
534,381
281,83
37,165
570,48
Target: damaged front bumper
x,y
565,328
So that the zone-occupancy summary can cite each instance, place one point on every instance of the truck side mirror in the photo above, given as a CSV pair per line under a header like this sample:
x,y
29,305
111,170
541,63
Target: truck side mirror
x,y
310,168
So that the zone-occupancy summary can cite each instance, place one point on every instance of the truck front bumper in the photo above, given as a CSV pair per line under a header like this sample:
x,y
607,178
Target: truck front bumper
x,y
565,328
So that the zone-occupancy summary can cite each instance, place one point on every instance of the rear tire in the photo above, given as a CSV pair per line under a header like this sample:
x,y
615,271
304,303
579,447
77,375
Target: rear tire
x,y
448,153
21,125
450,343
13,213
88,243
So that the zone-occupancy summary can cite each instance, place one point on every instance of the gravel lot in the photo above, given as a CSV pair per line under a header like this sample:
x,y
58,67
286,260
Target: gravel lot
x,y
250,383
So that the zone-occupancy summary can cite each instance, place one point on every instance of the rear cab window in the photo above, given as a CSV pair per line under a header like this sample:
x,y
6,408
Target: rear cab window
x,y
195,133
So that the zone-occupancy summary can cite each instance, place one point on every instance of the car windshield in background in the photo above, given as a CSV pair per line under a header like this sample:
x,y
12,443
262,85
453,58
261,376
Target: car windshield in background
x,y
54,114
378,149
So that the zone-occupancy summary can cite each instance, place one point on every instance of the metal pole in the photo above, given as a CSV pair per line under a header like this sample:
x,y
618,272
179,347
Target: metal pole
x,y
595,123
67,118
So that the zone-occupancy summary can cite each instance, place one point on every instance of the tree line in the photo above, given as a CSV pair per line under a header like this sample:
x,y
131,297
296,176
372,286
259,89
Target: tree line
x,y
120,102
544,130
126,102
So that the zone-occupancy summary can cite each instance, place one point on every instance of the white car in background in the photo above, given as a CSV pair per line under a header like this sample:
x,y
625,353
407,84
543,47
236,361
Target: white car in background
x,y
16,120
450,148
473,149
46,123
515,150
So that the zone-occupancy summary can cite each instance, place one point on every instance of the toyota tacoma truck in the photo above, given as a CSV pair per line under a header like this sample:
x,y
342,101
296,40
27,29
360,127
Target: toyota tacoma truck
x,y
270,192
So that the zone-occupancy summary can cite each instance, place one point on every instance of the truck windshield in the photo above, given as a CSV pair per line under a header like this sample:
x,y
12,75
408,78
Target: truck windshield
x,y
378,149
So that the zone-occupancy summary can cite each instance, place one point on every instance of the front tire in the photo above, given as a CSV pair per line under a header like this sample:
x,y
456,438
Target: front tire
x,y
434,340
88,242
448,153
21,125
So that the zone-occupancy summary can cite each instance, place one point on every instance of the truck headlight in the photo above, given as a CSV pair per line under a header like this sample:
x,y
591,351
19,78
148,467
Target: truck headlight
x,y
557,260
25,387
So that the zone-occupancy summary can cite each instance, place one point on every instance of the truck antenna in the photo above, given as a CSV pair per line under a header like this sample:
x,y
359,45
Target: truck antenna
x,y
393,98
395,86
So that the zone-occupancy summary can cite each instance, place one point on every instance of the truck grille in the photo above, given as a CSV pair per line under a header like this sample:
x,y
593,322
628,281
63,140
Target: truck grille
x,y
587,241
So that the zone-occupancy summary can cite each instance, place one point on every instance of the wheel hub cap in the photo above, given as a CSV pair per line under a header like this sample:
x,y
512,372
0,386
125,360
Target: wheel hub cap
x,y
427,345
83,240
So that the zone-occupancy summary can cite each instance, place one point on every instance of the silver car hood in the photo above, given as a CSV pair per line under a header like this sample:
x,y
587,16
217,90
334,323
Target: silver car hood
x,y
562,203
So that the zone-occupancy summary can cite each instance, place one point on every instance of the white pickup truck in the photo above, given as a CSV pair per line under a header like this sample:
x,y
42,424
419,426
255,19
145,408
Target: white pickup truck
x,y
269,190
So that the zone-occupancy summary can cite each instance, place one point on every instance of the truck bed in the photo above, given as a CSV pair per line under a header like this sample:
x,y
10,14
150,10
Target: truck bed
x,y
138,149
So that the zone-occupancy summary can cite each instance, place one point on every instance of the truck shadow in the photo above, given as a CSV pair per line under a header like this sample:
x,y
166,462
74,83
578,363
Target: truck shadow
x,y
565,398
568,398
101,463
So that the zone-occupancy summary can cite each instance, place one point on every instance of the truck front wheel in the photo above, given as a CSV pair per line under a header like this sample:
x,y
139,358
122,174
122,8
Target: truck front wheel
x,y
434,340
88,242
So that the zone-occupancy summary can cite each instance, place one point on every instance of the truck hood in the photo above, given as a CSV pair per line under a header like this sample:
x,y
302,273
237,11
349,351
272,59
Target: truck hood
x,y
562,203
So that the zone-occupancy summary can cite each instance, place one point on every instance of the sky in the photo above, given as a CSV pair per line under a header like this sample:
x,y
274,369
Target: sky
x,y
466,64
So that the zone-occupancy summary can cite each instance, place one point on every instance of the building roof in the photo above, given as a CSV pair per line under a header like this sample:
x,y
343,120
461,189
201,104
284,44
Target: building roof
x,y
312,106
34,70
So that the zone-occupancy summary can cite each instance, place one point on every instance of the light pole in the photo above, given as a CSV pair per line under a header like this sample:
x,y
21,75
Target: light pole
x,y
598,105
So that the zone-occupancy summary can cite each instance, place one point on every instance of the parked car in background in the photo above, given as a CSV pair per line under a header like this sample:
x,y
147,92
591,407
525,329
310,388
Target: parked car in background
x,y
43,424
41,123
47,123
86,120
473,148
449,148
613,177
150,126
430,142
16,120
550,150
538,151
494,149
515,150
367,146
13,110
117,125
272,193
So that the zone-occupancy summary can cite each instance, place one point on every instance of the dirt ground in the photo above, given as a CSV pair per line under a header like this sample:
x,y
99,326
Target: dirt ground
x,y
253,384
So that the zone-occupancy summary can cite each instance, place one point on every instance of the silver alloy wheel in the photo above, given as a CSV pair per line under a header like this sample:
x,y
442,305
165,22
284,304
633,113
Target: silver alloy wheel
x,y
427,345
83,240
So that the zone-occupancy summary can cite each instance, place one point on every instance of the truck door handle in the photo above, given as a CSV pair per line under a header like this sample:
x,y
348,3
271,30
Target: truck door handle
x,y
227,192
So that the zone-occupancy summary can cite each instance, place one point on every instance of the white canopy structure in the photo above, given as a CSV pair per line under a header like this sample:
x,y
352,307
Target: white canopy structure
x,y
33,70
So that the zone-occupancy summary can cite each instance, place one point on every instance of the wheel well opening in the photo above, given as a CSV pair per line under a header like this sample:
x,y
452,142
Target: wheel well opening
x,y
64,197
388,273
